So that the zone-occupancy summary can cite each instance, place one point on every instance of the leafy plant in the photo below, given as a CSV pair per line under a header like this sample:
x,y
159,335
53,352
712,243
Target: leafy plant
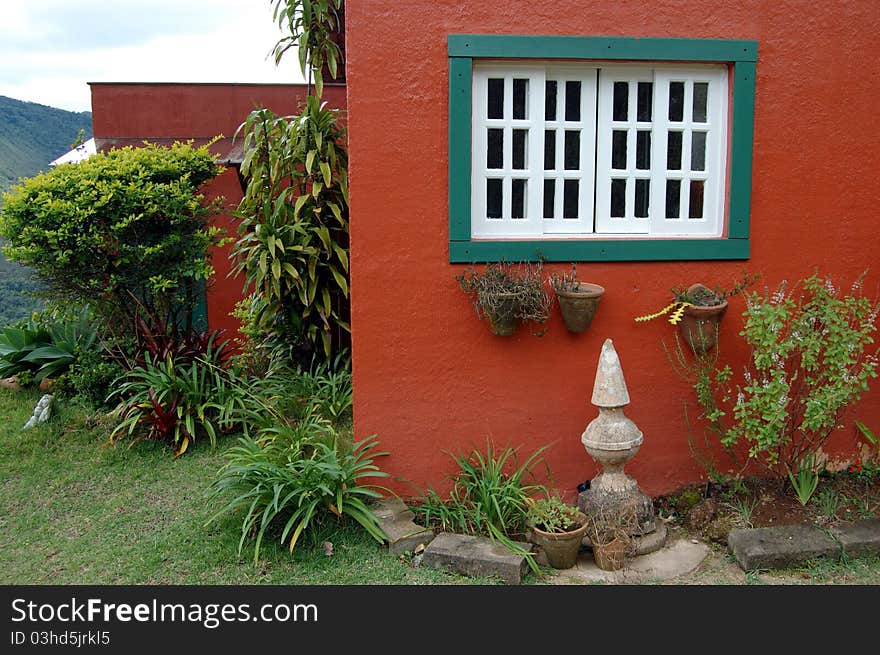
x,y
501,291
122,232
829,502
310,23
284,486
553,515
490,496
805,478
176,403
809,360
566,281
744,507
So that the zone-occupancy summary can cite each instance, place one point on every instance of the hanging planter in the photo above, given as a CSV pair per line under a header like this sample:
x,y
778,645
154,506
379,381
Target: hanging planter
x,y
505,296
578,301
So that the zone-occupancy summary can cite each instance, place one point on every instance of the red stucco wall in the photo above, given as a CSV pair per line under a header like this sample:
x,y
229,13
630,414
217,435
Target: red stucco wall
x,y
429,377
199,111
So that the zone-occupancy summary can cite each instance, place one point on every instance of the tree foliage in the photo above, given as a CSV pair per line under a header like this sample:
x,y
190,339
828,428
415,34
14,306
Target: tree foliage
x,y
125,232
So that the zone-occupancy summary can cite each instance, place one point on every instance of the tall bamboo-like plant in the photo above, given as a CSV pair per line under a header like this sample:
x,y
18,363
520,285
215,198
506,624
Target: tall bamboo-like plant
x,y
293,236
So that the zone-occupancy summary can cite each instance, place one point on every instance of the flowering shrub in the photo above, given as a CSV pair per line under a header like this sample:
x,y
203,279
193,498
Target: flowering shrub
x,y
809,359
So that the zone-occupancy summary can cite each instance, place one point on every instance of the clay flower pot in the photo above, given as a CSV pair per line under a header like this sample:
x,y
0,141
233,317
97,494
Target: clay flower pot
x,y
502,314
579,306
611,555
699,323
561,548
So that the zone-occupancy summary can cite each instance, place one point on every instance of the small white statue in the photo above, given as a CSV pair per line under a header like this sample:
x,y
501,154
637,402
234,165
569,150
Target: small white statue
x,y
41,412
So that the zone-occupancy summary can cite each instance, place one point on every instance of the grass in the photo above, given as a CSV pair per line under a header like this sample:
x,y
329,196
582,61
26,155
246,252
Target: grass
x,y
77,511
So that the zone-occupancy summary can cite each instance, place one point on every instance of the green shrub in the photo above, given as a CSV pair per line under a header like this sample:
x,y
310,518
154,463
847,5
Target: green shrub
x,y
291,486
124,232
92,376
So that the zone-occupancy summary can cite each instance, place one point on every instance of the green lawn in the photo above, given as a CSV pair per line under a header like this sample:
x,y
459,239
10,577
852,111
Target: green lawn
x,y
77,511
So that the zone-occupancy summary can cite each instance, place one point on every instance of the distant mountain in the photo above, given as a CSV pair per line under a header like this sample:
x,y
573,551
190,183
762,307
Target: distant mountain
x,y
31,136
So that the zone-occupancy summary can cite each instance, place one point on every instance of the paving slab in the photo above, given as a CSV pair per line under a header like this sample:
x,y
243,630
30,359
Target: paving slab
x,y
396,519
780,547
859,538
475,557
676,558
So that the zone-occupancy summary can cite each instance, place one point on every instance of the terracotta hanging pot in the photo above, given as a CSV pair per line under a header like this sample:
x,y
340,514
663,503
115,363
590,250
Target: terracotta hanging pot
x,y
561,548
700,323
502,314
579,306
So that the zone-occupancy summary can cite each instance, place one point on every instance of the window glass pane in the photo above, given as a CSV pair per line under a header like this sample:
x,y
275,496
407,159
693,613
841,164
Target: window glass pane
x,y
643,150
673,197
695,209
520,94
643,194
673,152
495,148
549,197
520,147
518,199
572,101
570,199
618,149
701,99
549,150
621,96
550,100
676,101
698,151
493,198
618,198
644,101
572,150
496,97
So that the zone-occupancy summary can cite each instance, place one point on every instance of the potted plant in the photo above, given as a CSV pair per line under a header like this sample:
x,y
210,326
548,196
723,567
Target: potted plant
x,y
578,300
698,310
610,529
504,295
559,529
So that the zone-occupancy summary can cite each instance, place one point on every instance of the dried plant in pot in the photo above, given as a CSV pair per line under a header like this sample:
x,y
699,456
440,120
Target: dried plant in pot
x,y
698,310
578,301
610,529
505,295
559,529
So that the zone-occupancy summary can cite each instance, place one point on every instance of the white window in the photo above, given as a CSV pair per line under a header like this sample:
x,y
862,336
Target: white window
x,y
569,150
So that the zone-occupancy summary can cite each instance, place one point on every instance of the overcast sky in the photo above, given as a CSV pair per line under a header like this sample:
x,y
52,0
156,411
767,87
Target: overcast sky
x,y
51,49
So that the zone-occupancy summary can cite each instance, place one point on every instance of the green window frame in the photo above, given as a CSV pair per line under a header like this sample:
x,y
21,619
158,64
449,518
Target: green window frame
x,y
740,55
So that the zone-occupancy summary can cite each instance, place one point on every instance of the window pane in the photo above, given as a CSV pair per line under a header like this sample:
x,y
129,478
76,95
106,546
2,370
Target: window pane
x,y
570,199
549,150
496,97
643,194
698,151
495,148
550,100
572,150
520,147
695,209
572,101
493,198
673,197
618,198
549,197
644,101
621,96
643,150
676,101
518,199
618,149
520,93
673,152
701,99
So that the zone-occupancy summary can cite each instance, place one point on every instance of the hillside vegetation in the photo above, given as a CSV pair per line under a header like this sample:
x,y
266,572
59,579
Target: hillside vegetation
x,y
31,135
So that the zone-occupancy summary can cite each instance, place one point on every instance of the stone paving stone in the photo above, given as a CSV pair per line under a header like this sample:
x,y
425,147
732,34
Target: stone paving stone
x,y
859,538
780,547
475,557
397,522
